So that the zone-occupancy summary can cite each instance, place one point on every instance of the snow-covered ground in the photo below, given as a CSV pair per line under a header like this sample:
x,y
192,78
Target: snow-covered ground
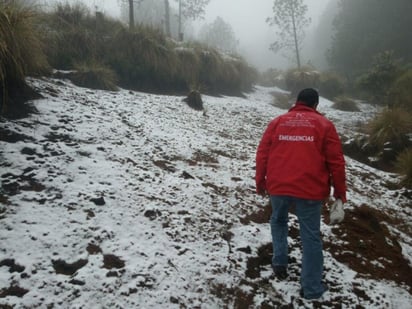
x,y
134,200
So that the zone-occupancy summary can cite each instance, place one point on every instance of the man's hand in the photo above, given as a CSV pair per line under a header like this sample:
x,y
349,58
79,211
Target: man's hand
x,y
336,212
261,191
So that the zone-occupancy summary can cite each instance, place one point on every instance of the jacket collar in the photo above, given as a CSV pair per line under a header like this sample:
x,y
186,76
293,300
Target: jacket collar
x,y
301,106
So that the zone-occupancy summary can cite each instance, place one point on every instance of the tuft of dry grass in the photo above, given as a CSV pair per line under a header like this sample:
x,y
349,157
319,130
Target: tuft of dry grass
x,y
95,75
21,50
403,166
345,104
331,85
282,100
399,93
298,79
391,126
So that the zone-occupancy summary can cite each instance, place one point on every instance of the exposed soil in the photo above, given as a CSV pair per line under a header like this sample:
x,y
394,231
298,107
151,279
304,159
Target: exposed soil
x,y
365,245
369,248
17,97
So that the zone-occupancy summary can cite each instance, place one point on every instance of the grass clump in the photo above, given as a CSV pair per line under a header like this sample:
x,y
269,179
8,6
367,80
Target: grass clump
x,y
95,76
213,72
298,79
21,54
282,100
101,49
345,104
331,85
376,82
143,59
188,70
399,93
271,77
194,100
404,167
390,128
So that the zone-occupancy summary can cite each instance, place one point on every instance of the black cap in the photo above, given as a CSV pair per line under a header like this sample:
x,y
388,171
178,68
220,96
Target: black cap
x,y
310,96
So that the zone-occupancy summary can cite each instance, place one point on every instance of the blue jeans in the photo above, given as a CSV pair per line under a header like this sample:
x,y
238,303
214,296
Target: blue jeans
x,y
308,213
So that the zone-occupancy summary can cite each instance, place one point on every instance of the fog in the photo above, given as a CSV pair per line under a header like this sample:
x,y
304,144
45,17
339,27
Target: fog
x,y
247,18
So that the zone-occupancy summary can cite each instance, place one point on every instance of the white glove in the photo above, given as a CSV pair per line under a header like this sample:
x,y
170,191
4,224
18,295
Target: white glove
x,y
336,212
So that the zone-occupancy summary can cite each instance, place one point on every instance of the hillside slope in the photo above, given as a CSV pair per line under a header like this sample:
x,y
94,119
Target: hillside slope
x,y
134,200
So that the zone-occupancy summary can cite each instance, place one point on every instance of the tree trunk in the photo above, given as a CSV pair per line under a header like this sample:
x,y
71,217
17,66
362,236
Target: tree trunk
x,y
167,18
131,14
180,21
295,36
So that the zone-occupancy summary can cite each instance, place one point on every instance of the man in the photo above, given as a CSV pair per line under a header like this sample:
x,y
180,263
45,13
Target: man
x,y
298,159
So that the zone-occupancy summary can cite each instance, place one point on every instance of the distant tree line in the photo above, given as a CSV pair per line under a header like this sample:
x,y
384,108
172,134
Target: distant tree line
x,y
363,29
96,51
159,14
365,51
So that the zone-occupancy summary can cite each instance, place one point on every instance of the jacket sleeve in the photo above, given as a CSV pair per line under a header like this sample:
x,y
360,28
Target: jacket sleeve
x,y
262,156
335,162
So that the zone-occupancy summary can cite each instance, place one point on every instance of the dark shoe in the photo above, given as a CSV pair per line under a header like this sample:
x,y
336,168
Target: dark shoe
x,y
280,272
315,297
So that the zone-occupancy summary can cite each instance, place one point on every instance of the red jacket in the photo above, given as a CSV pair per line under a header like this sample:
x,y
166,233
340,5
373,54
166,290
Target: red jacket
x,y
300,155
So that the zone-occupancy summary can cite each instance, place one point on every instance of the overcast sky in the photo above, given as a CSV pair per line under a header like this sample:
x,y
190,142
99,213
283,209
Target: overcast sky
x,y
247,17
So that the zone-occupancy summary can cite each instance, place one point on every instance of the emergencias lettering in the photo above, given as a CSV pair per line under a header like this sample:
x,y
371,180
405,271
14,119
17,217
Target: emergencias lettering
x,y
296,138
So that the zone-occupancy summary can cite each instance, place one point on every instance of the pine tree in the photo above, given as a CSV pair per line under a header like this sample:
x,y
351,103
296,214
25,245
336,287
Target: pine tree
x,y
290,18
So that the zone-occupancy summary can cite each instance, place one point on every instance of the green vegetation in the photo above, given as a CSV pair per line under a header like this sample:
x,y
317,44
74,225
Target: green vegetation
x,y
345,104
104,52
390,129
360,33
95,76
399,93
404,167
372,61
142,59
21,53
331,85
282,100
377,80
297,79
271,77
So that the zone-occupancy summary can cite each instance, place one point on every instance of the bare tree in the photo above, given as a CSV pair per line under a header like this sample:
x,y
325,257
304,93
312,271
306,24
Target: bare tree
x,y
131,14
191,9
167,18
290,18
220,35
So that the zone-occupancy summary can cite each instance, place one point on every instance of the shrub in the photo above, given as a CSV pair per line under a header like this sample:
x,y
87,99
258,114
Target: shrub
x,y
211,70
404,167
189,66
248,75
270,78
21,54
237,76
70,33
95,76
194,100
282,100
224,74
377,81
345,104
390,128
143,59
399,94
297,80
331,85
